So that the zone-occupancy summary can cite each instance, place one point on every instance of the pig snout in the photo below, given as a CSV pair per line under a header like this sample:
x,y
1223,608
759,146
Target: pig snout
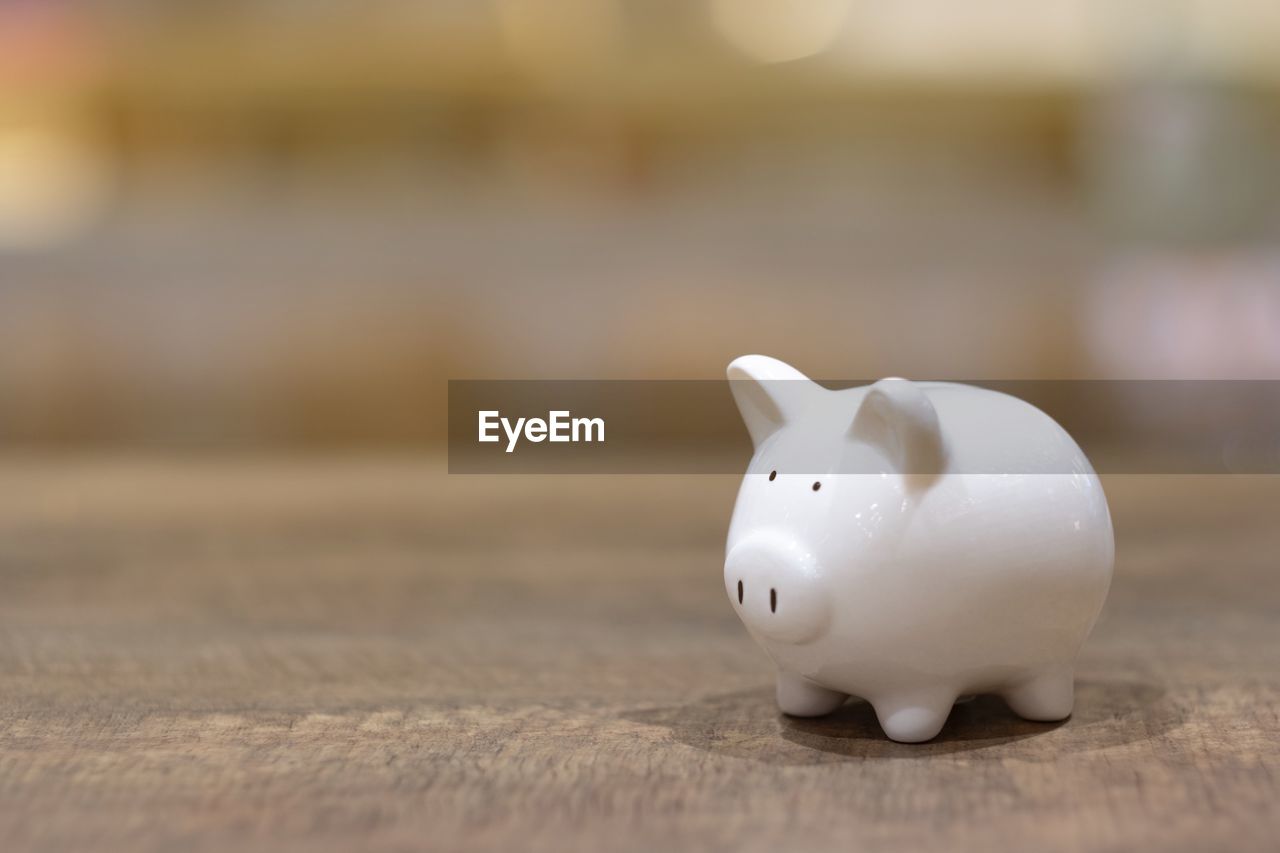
x,y
775,586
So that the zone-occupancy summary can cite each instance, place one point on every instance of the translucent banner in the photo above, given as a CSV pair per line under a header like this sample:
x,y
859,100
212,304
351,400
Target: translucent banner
x,y
698,427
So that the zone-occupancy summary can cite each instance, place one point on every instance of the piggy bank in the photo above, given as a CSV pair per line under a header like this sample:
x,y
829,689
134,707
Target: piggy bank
x,y
910,543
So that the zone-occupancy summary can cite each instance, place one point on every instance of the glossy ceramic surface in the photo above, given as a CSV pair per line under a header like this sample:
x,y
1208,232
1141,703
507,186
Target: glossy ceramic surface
x,y
910,543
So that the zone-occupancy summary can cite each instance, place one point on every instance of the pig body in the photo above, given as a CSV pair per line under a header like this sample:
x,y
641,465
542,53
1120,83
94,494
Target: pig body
x,y
910,543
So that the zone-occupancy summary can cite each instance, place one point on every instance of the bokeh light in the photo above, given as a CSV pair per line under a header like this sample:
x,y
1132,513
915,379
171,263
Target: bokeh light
x,y
779,32
53,185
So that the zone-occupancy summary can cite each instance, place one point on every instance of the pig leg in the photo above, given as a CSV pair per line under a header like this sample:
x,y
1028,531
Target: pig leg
x,y
800,697
914,717
1046,696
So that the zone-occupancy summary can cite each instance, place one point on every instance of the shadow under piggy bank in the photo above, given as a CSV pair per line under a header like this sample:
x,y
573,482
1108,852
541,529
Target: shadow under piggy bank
x,y
747,724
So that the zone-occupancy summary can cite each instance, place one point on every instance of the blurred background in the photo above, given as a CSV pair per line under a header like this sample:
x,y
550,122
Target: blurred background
x,y
283,223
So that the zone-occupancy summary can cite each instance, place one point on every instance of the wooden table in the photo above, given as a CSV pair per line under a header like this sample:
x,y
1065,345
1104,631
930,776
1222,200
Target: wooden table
x,y
364,653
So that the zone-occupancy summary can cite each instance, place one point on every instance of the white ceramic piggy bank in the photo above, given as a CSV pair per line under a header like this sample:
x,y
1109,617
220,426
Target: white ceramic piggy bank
x,y
910,543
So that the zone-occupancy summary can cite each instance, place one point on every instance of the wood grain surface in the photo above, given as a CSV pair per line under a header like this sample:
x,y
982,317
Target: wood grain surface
x,y
359,654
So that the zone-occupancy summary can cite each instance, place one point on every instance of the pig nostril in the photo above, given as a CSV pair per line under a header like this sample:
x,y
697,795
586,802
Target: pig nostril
x,y
773,601
739,592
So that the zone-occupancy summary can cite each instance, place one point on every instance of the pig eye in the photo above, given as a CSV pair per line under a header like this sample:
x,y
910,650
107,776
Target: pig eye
x,y
773,475
817,486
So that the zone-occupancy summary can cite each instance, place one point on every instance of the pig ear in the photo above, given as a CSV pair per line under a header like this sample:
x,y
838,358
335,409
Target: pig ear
x,y
768,392
897,417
